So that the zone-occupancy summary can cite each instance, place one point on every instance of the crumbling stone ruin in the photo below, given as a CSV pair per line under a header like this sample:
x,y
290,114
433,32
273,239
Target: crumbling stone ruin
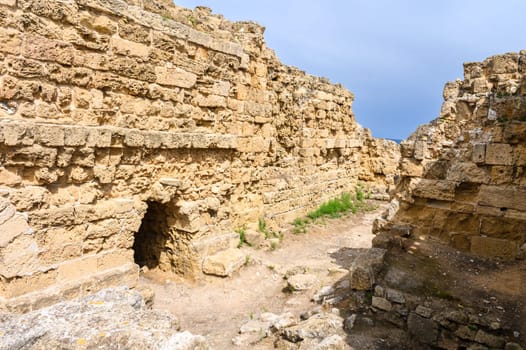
x,y
463,177
462,185
139,134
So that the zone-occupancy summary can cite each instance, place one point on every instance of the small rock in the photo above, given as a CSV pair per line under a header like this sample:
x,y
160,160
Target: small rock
x,y
318,326
302,282
423,311
254,326
247,339
337,270
186,341
296,270
333,342
494,325
513,346
489,339
254,238
278,322
324,292
516,334
456,316
349,322
402,310
307,314
466,333
379,291
224,263
382,304
395,296
423,329
345,284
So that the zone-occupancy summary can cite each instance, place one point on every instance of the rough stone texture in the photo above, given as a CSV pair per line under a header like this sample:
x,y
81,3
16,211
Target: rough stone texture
x,y
319,326
365,267
301,282
381,303
463,176
110,319
132,134
224,263
333,342
425,330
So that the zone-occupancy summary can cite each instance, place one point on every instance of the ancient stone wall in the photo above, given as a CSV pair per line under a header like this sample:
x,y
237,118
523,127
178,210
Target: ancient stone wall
x,y
464,174
146,133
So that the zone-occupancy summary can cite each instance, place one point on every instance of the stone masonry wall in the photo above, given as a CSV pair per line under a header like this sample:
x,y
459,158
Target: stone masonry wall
x,y
120,119
464,174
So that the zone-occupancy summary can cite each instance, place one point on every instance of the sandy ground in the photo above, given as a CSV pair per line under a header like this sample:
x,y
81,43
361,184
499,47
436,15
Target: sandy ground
x,y
217,307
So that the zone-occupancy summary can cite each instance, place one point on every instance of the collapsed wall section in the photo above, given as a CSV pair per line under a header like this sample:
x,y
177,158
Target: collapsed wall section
x,y
464,174
120,120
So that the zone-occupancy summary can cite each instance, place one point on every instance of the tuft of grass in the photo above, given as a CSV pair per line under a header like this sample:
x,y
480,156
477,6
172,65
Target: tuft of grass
x,y
242,239
335,208
300,225
192,20
262,227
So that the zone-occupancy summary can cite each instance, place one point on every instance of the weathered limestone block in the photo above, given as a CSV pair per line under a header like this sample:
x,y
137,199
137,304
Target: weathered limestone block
x,y
467,172
20,257
128,48
173,76
499,154
494,247
365,267
224,263
40,48
302,282
423,329
503,197
434,189
10,39
11,226
112,317
381,304
318,326
479,153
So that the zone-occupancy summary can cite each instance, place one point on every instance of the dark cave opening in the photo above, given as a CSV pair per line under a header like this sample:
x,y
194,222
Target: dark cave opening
x,y
150,240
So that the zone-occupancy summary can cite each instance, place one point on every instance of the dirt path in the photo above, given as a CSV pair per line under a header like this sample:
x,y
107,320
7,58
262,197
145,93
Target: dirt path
x,y
216,307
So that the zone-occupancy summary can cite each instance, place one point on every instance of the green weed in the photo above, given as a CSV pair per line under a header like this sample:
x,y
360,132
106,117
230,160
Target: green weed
x,y
335,208
262,227
242,239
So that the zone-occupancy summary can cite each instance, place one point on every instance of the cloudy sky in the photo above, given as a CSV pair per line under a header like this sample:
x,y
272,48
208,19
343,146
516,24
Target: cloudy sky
x,y
395,56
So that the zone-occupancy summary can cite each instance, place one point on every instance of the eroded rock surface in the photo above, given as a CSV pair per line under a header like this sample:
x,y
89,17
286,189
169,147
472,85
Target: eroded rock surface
x,y
463,174
110,319
143,133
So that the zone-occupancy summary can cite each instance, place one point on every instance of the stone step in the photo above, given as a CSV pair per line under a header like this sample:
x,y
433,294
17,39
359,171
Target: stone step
x,y
224,263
